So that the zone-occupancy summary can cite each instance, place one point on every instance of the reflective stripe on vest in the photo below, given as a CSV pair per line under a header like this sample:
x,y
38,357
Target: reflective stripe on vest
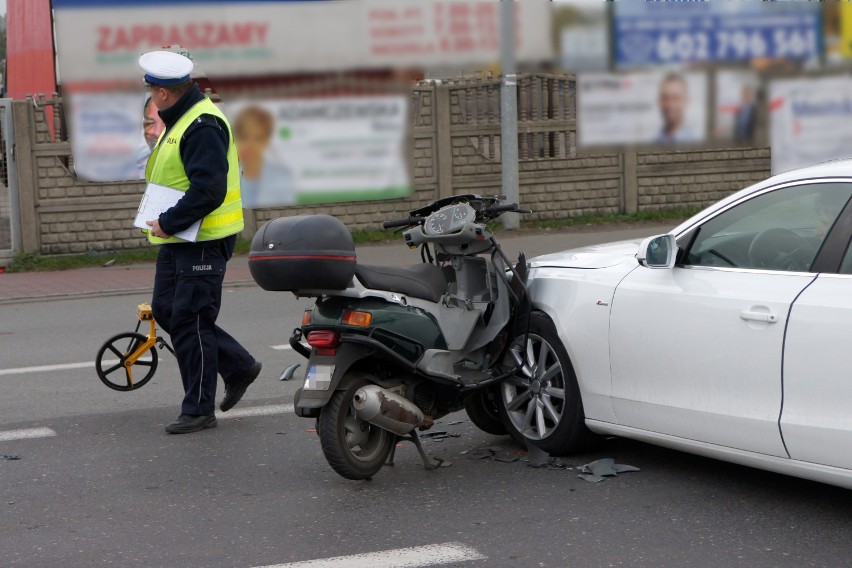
x,y
165,167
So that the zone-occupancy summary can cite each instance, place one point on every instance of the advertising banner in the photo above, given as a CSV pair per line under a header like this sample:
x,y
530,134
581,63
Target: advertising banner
x,y
582,33
736,105
108,142
660,33
302,151
100,40
641,108
809,121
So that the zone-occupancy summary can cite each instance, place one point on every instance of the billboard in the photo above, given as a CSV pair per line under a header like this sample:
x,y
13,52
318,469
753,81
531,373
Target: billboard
x,y
736,112
651,107
100,40
809,121
662,33
108,142
305,151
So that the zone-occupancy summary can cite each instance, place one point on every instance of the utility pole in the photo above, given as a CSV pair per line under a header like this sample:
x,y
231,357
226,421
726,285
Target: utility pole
x,y
509,110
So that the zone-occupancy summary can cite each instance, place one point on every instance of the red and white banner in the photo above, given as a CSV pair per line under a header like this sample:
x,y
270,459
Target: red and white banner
x,y
100,40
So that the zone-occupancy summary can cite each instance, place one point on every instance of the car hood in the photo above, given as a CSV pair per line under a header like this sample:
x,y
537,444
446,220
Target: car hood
x,y
595,256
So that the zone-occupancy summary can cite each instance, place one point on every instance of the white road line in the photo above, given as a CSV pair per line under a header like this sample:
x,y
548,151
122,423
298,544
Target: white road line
x,y
415,557
47,368
59,367
285,347
255,411
27,433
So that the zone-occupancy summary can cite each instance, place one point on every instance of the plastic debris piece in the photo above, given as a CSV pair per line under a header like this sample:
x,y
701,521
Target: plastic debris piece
x,y
109,263
446,463
456,423
550,463
481,453
537,456
591,478
605,467
505,458
434,434
8,457
439,436
465,452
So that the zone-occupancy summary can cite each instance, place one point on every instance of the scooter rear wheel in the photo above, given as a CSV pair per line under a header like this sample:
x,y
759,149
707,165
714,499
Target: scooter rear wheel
x,y
353,448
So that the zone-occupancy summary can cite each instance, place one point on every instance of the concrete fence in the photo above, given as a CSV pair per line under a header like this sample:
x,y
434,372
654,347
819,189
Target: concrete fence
x,y
455,148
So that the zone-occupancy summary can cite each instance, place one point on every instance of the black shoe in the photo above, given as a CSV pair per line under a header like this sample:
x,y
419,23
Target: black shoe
x,y
235,391
187,423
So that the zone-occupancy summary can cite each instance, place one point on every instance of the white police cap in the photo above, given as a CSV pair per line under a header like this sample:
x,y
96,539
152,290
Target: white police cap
x,y
165,67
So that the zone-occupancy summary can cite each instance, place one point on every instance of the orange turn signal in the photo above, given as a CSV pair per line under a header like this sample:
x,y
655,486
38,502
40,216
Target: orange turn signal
x,y
357,319
306,317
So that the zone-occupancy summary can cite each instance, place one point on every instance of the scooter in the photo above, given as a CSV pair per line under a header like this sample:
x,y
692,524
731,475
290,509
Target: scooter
x,y
390,350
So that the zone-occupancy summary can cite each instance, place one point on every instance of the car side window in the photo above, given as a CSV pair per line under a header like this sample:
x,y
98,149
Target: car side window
x,y
846,265
779,230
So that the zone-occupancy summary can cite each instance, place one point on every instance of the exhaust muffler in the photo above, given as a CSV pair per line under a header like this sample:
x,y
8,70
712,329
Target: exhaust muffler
x,y
387,410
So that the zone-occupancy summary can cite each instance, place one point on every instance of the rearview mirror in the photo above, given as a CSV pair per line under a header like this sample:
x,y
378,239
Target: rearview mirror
x,y
658,252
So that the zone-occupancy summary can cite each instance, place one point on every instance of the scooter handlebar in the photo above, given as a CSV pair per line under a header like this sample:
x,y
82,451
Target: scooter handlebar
x,y
402,222
495,210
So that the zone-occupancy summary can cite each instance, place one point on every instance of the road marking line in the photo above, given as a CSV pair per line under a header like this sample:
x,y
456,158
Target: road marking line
x,y
59,367
415,557
26,433
255,411
47,368
285,347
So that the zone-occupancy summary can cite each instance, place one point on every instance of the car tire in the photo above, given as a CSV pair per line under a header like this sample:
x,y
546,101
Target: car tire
x,y
541,403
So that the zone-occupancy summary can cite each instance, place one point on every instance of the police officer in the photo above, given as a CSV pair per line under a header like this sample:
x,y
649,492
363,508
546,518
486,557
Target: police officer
x,y
195,154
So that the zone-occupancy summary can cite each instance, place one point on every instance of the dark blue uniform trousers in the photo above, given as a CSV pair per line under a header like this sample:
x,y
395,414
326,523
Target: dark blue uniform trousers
x,y
187,296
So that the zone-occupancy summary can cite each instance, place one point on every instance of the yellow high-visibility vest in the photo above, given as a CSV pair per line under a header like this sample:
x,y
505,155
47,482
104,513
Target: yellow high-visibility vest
x,y
165,167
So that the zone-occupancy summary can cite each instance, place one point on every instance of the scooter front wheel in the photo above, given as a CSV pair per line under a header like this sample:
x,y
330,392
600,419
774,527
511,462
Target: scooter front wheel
x,y
355,449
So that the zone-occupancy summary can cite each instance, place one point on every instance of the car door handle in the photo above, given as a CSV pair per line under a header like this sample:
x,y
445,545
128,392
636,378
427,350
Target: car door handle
x,y
767,317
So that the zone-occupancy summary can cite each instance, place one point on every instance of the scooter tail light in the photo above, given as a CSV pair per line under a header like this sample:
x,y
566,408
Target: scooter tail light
x,y
324,339
357,319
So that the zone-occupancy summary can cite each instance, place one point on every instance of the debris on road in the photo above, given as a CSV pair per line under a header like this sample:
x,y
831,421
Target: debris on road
x,y
7,457
540,459
598,470
439,435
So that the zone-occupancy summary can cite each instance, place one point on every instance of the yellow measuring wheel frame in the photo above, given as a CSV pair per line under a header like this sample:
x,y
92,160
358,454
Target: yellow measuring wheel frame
x,y
132,350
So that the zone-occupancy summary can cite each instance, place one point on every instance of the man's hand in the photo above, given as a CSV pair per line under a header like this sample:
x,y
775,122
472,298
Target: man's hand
x,y
155,229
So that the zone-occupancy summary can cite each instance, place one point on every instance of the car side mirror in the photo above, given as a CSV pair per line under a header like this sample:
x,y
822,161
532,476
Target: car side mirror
x,y
658,252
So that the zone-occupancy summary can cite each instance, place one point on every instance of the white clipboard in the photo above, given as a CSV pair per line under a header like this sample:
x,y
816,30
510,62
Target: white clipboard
x,y
158,199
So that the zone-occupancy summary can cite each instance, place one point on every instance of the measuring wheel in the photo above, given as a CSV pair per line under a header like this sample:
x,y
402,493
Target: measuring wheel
x,y
131,370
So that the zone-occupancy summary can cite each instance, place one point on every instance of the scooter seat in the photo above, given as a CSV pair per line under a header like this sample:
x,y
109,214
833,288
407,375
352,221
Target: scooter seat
x,y
424,281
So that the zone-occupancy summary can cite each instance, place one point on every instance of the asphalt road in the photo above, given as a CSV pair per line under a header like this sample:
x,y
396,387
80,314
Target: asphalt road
x,y
108,487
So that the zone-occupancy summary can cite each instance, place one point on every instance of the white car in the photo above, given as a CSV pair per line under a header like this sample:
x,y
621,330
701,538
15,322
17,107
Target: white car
x,y
730,337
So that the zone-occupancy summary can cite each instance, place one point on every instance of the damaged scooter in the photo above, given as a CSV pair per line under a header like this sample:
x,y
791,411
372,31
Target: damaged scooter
x,y
389,349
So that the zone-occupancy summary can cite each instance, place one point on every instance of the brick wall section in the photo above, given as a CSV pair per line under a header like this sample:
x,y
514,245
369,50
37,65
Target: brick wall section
x,y
697,178
61,214
75,216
